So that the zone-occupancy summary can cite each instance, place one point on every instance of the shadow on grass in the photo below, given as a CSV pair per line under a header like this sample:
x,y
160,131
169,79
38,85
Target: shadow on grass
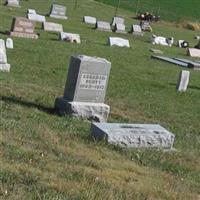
x,y
19,101
4,32
189,86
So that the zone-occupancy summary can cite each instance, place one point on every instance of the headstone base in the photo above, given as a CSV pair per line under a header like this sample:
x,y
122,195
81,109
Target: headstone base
x,y
93,111
122,32
106,30
5,67
137,34
13,5
59,17
24,35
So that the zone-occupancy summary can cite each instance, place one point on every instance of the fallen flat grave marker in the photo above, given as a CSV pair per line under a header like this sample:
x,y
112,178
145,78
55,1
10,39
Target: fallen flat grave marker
x,y
116,41
133,135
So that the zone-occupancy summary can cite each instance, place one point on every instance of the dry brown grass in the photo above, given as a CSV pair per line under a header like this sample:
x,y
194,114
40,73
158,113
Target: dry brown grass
x,y
194,26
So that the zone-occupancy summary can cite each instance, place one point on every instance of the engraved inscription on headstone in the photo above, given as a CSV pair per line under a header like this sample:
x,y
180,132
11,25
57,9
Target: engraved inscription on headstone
x,y
103,26
85,88
117,20
58,11
4,66
133,135
120,28
22,27
183,81
136,30
90,20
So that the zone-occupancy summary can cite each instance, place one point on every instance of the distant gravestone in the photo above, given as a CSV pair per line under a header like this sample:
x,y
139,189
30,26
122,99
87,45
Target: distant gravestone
x,y
183,81
89,20
194,52
22,27
9,43
13,3
52,27
31,11
120,42
103,26
136,30
120,28
85,89
70,37
117,20
145,26
36,17
58,11
4,66
133,135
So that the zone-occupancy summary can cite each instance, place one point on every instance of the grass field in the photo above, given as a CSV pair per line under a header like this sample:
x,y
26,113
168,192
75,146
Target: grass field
x,y
44,156
174,10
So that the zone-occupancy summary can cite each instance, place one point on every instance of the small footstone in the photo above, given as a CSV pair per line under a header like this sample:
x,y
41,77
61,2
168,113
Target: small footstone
x,y
9,43
133,135
183,81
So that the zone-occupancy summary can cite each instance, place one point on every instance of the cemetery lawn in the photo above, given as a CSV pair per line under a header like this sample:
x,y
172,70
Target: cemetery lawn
x,y
47,157
168,10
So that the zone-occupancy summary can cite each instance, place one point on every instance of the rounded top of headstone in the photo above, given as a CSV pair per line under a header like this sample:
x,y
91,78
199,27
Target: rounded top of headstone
x,y
91,59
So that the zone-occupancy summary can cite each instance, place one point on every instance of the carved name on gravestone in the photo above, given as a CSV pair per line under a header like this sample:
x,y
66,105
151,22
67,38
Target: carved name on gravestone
x,y
133,135
90,20
52,27
70,37
117,20
136,30
58,11
103,26
36,17
120,28
13,3
9,43
116,41
183,81
194,52
85,89
22,27
4,66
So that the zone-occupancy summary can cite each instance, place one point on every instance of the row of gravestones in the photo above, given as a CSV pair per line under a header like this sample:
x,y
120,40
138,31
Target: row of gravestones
x,y
84,96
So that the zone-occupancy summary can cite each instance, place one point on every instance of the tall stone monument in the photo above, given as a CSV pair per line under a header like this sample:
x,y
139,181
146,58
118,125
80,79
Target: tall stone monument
x,y
4,66
22,27
85,89
58,11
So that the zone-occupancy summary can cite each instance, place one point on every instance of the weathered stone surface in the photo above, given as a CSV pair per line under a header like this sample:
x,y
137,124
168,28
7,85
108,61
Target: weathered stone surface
x,y
4,66
32,11
90,20
93,111
103,26
9,43
53,27
70,37
120,28
145,26
85,88
36,17
116,41
22,27
117,20
194,52
58,11
183,81
133,135
13,3
136,30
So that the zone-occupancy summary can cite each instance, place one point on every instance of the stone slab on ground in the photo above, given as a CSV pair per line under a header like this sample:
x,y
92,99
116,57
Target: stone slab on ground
x,y
133,135
13,3
58,11
183,81
70,37
52,27
194,52
89,20
120,42
93,111
36,17
103,26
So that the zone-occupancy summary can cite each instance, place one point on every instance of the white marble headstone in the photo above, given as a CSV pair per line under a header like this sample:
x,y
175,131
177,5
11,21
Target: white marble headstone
x,y
13,3
4,66
194,52
36,17
120,28
117,20
90,20
120,42
103,26
183,81
9,43
136,30
32,11
70,37
53,27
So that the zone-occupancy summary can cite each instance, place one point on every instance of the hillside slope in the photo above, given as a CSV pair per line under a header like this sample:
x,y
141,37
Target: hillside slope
x,y
44,156
174,10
